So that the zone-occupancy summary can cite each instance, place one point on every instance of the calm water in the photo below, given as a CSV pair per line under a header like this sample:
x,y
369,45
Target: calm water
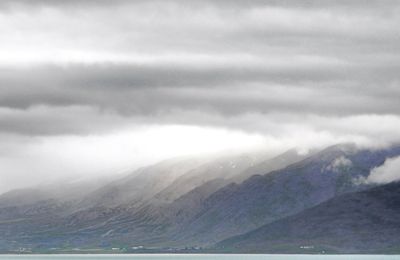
x,y
197,257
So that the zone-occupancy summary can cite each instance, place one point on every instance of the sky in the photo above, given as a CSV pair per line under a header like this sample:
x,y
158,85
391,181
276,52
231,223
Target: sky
x,y
99,87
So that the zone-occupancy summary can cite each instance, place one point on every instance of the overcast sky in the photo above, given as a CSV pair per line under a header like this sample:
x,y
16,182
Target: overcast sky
x,y
99,87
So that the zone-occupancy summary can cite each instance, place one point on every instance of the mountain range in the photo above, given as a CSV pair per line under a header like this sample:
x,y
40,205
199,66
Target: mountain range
x,y
241,203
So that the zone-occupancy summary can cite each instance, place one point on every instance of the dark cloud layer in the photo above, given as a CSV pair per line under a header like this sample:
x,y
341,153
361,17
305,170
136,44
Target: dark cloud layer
x,y
155,60
133,89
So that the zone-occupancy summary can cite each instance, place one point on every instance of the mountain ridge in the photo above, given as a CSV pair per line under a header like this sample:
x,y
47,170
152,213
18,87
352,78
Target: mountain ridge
x,y
214,210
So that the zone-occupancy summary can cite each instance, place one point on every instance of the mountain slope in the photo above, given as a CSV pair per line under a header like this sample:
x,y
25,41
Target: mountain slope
x,y
360,222
238,208
128,212
141,185
66,190
276,163
221,168
127,205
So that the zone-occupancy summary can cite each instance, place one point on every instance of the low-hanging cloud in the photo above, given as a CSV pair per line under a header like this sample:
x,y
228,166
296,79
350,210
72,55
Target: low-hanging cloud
x,y
388,172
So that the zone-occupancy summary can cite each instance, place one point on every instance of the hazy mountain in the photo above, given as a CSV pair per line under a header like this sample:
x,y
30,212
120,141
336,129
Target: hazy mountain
x,y
205,210
159,215
217,173
129,201
272,164
221,168
210,213
180,187
142,184
261,199
360,222
63,191
24,197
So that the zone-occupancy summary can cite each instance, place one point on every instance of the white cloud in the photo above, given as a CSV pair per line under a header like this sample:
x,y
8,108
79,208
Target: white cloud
x,y
31,161
388,172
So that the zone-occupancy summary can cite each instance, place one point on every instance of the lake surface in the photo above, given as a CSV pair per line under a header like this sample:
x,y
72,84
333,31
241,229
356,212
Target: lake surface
x,y
199,257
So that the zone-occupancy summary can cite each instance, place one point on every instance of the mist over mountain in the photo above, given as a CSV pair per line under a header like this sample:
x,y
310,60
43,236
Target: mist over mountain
x,y
237,208
190,202
134,126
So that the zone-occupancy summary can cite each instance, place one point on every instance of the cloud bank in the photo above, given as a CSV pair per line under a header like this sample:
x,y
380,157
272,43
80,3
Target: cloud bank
x,y
287,73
